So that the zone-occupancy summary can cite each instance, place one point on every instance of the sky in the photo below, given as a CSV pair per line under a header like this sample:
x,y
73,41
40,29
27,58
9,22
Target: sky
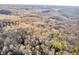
x,y
42,2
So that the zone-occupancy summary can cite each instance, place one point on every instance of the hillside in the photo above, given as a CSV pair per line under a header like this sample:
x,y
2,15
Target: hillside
x,y
39,30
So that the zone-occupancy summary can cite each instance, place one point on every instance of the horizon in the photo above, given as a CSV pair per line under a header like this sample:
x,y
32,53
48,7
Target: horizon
x,y
38,5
